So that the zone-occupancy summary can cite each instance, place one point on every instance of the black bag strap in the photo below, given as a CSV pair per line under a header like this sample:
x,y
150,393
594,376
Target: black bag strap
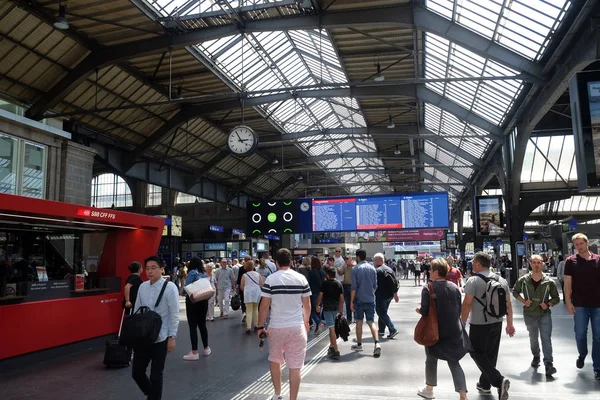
x,y
162,291
252,279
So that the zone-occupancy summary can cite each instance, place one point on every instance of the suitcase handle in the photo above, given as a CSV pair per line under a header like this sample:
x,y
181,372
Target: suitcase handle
x,y
121,326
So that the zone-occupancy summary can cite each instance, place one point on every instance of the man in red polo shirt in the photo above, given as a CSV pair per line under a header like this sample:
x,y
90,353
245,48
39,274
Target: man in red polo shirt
x,y
454,274
582,277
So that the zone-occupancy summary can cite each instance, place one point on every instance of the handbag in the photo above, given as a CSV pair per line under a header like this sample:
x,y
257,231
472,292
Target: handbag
x,y
236,302
200,290
142,327
427,331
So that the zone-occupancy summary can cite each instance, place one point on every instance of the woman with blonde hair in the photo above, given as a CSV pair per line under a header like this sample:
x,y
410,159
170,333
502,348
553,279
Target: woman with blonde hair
x,y
450,346
251,285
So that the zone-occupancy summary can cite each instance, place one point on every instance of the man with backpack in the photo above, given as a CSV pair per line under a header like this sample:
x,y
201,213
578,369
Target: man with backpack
x,y
362,300
162,297
487,300
538,293
387,289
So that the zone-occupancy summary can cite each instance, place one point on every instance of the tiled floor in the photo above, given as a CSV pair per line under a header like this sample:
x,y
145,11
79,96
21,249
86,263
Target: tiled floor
x,y
238,370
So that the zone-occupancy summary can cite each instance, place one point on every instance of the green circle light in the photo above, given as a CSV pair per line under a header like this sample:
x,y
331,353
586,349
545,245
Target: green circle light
x,y
272,217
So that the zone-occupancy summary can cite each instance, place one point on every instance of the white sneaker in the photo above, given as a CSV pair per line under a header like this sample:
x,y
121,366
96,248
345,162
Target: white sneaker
x,y
207,351
277,397
356,347
191,356
427,394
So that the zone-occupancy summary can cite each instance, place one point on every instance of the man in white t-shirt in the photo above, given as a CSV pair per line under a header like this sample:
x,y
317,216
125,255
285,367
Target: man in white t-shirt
x,y
287,293
339,264
269,263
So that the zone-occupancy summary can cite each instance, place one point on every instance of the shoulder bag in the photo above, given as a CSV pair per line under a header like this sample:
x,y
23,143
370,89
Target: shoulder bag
x,y
427,331
142,327
199,290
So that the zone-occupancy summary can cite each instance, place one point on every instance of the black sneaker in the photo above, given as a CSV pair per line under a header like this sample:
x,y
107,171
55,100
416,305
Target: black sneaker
x,y
336,355
535,362
330,352
580,362
550,370
482,390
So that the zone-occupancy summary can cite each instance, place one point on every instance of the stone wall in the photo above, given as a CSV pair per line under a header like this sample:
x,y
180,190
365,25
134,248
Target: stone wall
x,y
77,162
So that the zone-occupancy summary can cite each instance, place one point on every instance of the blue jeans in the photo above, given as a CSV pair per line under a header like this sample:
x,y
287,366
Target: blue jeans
x,y
313,310
362,310
540,327
347,296
583,315
381,307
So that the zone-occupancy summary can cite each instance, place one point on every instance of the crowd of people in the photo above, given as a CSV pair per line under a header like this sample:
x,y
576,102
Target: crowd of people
x,y
284,299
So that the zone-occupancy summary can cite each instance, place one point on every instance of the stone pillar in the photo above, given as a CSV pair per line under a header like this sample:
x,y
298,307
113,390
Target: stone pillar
x,y
77,163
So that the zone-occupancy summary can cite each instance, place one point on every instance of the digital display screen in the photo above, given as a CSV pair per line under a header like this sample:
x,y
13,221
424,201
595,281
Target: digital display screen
x,y
489,215
451,240
367,213
521,249
272,217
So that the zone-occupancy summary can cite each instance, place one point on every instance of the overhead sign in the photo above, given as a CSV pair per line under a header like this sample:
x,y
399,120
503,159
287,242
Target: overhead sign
x,y
215,246
216,228
272,237
237,231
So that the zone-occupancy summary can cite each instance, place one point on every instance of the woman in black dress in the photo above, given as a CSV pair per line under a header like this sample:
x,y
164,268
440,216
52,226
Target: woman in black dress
x,y
450,346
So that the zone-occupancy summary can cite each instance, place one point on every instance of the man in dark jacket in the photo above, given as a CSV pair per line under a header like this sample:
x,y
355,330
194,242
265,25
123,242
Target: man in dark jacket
x,y
384,296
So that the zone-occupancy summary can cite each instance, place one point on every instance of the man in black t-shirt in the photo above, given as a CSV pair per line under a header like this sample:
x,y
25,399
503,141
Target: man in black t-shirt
x,y
132,284
332,296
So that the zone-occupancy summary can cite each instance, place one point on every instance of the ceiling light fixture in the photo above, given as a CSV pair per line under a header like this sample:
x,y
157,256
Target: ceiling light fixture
x,y
397,152
300,177
305,4
61,21
391,124
379,76
275,161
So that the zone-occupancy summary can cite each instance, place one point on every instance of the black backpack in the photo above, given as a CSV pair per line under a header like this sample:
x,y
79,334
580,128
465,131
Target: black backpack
x,y
493,299
390,282
142,327
236,302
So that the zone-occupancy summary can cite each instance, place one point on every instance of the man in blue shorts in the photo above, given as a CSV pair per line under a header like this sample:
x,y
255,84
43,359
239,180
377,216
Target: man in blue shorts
x,y
332,295
362,301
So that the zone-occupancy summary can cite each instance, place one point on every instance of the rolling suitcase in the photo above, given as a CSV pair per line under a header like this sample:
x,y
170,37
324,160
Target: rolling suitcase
x,y
116,355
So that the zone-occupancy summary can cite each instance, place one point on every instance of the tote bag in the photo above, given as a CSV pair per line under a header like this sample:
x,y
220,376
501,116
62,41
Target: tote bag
x,y
200,290
427,331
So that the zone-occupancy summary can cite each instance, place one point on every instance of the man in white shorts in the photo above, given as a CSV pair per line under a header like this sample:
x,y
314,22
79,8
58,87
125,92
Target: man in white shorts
x,y
287,293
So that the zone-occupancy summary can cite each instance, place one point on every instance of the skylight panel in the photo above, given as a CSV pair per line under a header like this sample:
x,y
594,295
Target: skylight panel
x,y
524,26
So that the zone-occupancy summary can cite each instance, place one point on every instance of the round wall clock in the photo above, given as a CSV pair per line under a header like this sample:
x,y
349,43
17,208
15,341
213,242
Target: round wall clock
x,y
242,140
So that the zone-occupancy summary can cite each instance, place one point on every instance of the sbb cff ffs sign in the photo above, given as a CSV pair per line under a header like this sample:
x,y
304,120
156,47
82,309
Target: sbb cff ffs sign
x,y
86,212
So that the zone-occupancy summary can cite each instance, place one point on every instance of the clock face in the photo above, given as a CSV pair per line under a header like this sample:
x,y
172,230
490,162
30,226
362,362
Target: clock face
x,y
242,140
304,206
176,226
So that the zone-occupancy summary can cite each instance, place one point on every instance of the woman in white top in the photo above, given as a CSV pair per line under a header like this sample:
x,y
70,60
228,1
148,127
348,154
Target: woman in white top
x,y
210,316
251,284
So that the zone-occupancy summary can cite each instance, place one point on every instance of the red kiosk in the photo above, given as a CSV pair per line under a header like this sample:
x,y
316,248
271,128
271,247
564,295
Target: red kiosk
x,y
62,270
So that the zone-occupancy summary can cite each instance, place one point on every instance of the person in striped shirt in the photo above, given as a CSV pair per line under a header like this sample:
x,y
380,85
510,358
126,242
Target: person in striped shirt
x,y
287,293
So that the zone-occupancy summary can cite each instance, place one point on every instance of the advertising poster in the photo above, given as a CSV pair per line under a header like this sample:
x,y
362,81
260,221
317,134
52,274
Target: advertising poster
x,y
489,215
451,240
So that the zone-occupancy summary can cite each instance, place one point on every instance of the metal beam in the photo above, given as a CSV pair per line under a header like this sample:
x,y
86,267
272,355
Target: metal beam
x,y
198,174
399,16
347,156
429,96
428,21
583,53
399,131
435,181
249,179
453,149
223,13
288,182
445,170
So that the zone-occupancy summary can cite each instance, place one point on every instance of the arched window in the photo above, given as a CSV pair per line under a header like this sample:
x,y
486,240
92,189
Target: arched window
x,y
110,190
184,198
154,195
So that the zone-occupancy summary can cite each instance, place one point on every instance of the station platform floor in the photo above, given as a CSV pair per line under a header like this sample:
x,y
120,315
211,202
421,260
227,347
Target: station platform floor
x,y
238,370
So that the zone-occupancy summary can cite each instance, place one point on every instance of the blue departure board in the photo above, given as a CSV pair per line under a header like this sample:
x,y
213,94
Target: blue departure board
x,y
372,213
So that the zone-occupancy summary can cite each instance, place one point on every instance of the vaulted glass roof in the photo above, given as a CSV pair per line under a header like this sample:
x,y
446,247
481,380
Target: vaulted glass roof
x,y
573,204
273,62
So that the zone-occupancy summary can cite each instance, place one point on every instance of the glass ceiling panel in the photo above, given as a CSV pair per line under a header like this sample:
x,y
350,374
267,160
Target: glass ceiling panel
x,y
559,150
166,8
573,204
524,26
278,61
450,160
490,99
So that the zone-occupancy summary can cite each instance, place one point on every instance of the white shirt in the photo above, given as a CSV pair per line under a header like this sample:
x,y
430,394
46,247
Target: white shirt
x,y
339,263
271,265
236,270
168,308
286,288
251,287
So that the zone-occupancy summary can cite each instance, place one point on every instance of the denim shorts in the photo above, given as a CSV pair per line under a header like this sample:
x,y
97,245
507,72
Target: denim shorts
x,y
330,318
364,309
